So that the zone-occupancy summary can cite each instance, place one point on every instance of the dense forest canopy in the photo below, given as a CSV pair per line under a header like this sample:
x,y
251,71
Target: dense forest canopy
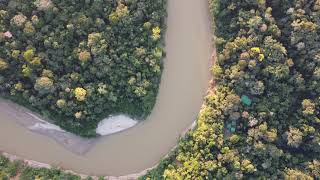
x,y
262,119
78,61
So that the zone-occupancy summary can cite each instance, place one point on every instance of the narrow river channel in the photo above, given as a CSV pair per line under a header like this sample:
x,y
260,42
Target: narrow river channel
x,y
184,83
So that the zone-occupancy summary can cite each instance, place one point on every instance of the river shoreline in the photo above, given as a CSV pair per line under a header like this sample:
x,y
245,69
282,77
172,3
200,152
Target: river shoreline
x,y
74,143
184,84
36,164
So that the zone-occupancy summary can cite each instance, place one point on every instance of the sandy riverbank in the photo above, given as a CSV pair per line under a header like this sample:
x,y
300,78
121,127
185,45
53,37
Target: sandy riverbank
x,y
184,83
74,143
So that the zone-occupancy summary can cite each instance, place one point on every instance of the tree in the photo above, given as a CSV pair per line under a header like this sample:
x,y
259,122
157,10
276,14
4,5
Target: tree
x,y
44,85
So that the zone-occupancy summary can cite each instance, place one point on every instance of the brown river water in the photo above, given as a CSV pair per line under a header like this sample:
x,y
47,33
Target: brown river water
x,y
184,84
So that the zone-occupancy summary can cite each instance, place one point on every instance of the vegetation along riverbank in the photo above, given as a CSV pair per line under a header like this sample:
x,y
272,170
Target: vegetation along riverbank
x,y
79,62
176,108
261,120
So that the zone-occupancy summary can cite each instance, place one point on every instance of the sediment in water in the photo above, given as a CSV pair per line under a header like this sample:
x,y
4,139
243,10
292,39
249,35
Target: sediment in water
x,y
184,83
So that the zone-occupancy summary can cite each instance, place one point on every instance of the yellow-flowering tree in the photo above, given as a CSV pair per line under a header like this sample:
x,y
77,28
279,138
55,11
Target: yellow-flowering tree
x,y
3,64
84,56
80,94
156,33
43,85
61,103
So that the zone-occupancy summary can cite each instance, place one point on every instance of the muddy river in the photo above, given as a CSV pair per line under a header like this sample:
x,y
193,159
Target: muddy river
x,y
184,84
